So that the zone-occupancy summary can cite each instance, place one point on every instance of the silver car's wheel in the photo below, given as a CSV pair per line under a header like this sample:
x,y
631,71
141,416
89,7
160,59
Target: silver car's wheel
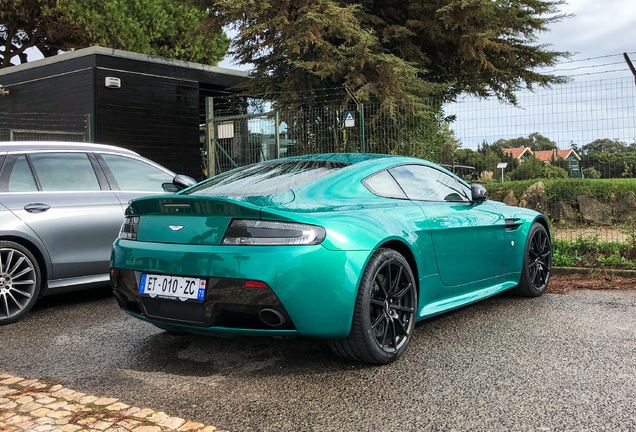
x,y
19,281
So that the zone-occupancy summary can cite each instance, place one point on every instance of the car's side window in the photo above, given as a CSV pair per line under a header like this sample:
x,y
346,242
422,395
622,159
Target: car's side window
x,y
134,175
64,172
424,183
21,178
384,185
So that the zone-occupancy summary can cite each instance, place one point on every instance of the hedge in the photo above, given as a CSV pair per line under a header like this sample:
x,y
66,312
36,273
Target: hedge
x,y
559,190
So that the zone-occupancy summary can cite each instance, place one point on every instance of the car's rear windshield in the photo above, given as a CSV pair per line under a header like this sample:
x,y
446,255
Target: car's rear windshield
x,y
266,178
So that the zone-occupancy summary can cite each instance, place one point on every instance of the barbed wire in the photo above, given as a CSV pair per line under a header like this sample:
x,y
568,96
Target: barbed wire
x,y
588,67
596,58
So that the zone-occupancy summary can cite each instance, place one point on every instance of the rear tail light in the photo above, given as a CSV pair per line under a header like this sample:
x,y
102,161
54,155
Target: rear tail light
x,y
272,233
129,228
255,284
113,277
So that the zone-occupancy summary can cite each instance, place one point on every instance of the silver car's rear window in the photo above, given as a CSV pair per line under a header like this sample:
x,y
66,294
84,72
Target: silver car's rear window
x,y
265,178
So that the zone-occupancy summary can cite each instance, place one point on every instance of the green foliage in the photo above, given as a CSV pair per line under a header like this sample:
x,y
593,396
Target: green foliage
x,y
471,158
591,252
535,141
610,158
167,28
427,136
531,168
491,159
604,145
561,190
554,172
591,173
392,51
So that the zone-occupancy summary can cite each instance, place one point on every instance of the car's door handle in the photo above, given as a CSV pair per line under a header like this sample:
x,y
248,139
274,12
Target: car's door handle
x,y
37,207
440,219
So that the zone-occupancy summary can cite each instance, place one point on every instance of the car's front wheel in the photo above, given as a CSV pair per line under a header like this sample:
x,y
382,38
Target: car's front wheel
x,y
537,263
19,281
385,311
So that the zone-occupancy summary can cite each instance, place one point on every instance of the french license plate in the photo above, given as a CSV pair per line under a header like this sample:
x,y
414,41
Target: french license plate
x,y
173,287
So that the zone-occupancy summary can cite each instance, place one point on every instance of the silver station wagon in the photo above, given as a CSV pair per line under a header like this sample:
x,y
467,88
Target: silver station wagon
x,y
61,208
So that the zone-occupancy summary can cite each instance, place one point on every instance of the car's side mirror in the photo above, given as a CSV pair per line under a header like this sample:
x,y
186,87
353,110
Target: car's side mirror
x,y
478,192
183,181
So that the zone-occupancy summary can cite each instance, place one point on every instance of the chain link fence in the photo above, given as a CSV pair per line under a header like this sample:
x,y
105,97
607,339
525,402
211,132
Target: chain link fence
x,y
577,139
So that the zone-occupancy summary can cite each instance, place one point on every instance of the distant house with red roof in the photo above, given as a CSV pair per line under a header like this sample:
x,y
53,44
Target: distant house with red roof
x,y
544,155
573,159
520,153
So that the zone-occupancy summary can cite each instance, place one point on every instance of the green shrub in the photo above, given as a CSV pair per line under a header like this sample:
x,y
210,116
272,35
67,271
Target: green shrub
x,y
591,173
531,168
566,190
554,172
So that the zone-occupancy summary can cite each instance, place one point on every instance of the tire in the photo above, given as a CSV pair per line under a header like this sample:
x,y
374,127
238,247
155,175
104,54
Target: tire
x,y
20,281
537,263
385,311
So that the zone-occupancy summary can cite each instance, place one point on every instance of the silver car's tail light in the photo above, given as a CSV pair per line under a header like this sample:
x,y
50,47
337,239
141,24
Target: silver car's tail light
x,y
129,228
272,233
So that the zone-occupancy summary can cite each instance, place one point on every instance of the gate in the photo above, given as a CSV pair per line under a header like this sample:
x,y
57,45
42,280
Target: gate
x,y
240,140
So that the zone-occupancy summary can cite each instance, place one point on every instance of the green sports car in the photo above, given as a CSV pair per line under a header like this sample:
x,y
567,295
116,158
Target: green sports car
x,y
353,248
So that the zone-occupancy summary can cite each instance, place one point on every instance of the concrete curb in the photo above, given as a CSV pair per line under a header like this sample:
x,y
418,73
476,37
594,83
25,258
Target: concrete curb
x,y
567,271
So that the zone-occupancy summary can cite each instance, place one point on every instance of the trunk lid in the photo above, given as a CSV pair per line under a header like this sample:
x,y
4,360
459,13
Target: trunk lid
x,y
188,220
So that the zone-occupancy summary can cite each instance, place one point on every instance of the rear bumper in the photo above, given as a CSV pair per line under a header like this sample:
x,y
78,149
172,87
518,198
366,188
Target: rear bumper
x,y
312,286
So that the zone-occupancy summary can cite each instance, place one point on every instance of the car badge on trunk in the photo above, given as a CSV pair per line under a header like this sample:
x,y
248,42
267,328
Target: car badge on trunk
x,y
176,227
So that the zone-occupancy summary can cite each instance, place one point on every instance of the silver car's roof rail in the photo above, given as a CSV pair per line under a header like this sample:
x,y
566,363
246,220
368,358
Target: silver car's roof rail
x,y
11,146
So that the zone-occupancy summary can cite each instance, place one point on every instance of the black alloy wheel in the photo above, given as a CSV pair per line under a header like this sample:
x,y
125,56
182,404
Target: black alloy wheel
x,y
537,263
385,312
19,281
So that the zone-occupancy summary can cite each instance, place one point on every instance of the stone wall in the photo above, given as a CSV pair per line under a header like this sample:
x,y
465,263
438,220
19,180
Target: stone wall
x,y
585,209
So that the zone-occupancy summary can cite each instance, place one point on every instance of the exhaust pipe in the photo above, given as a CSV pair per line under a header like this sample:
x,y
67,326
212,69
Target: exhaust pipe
x,y
272,317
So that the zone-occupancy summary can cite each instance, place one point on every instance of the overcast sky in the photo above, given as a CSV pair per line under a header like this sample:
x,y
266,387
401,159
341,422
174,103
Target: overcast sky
x,y
600,102
598,28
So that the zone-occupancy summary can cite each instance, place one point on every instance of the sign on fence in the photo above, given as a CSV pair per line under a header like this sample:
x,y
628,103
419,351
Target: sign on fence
x,y
225,130
350,120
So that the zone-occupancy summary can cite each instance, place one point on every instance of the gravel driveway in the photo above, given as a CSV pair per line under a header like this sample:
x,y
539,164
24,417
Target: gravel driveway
x,y
559,362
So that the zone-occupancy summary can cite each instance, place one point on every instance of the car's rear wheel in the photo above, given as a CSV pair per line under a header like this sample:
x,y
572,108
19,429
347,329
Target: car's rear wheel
x,y
19,281
537,263
385,311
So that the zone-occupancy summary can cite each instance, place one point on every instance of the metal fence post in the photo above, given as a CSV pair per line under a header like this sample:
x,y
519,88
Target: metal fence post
x,y
362,146
209,136
276,133
90,128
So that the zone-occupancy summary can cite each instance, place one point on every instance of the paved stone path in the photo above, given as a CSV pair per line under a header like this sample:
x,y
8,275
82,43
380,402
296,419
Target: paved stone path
x,y
31,405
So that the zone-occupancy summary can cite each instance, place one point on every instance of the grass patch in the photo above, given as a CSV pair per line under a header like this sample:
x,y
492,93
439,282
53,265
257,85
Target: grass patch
x,y
591,252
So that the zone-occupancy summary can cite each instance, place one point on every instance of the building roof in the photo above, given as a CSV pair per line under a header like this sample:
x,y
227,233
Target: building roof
x,y
125,55
516,153
565,153
544,155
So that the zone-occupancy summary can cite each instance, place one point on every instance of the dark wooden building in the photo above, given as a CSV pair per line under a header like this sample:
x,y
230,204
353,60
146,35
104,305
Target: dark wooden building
x,y
148,104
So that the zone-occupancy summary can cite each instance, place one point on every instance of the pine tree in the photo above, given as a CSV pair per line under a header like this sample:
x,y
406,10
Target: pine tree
x,y
392,50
